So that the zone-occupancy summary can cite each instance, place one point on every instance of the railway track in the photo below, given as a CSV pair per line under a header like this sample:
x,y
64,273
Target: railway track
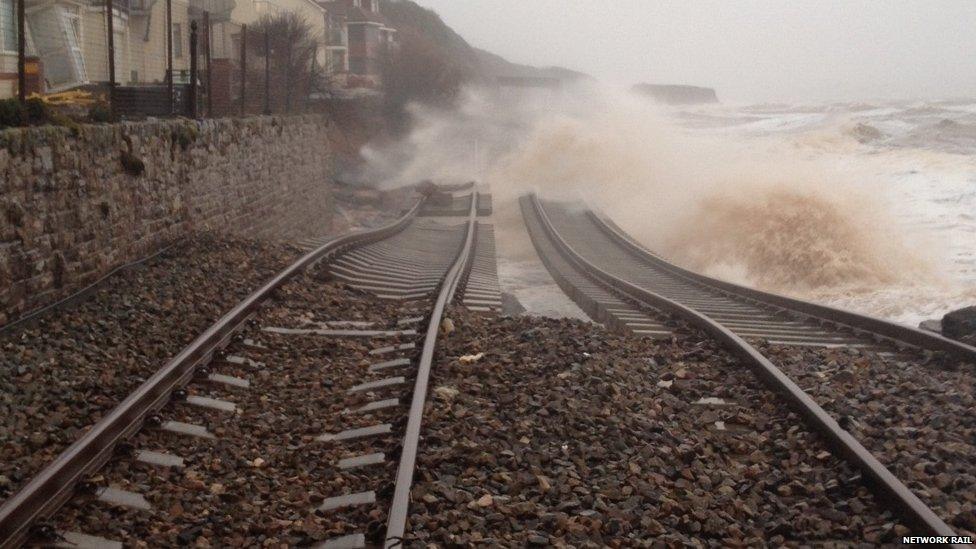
x,y
618,282
283,407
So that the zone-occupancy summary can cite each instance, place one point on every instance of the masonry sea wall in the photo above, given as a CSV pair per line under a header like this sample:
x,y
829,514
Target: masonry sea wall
x,y
76,203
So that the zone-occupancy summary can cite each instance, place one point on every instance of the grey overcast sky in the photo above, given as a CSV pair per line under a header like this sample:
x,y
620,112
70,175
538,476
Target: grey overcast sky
x,y
749,50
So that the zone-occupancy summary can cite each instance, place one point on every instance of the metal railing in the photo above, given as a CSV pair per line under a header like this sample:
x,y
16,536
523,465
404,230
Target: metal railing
x,y
131,64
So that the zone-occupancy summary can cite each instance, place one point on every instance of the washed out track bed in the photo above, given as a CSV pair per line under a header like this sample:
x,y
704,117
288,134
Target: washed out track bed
x,y
894,401
564,434
62,372
283,423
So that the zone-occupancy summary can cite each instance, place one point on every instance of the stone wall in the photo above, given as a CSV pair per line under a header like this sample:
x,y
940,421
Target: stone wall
x,y
76,203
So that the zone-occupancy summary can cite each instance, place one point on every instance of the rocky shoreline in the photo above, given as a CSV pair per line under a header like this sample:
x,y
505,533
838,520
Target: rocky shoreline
x,y
959,325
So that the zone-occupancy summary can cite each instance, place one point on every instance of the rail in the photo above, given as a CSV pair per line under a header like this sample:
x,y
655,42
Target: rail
x,y
887,487
851,320
52,485
400,505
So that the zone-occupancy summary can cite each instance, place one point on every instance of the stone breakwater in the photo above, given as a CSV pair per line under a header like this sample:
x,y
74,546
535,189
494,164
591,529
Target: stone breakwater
x,y
76,203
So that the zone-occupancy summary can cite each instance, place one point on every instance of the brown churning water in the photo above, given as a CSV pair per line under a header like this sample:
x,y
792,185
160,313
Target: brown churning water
x,y
763,212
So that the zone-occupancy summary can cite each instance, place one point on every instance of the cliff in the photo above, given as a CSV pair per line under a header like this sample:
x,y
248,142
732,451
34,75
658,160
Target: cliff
x,y
493,66
434,62
677,94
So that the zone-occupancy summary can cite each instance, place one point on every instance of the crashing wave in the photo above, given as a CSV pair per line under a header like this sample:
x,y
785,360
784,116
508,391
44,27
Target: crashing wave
x,y
865,133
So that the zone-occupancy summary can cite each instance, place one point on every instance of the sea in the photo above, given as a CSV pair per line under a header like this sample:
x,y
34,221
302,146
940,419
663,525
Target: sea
x,y
918,158
920,155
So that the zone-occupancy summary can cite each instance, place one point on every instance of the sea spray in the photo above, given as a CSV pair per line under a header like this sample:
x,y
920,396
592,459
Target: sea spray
x,y
764,212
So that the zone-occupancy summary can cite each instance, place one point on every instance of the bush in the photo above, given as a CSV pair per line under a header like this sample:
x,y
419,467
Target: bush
x,y
296,74
37,111
12,114
34,111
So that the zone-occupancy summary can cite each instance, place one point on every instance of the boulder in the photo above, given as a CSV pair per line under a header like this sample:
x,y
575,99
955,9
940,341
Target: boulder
x,y
961,325
932,325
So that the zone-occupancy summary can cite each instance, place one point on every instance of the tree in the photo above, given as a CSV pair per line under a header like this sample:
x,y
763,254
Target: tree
x,y
431,63
296,72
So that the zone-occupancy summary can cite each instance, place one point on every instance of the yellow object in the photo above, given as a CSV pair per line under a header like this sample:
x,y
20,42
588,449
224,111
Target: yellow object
x,y
74,97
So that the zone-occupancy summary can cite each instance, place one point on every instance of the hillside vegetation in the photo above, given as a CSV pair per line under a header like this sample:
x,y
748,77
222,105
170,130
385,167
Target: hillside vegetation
x,y
434,63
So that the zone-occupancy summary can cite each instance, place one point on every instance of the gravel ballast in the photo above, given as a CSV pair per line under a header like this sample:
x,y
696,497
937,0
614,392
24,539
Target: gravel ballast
x,y
258,482
918,417
563,434
61,374
538,432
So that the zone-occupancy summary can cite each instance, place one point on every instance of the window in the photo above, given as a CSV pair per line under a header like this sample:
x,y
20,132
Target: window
x,y
71,27
8,26
56,33
338,62
177,40
368,5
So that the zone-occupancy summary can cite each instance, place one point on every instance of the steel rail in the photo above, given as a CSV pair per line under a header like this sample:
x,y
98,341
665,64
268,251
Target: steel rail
x,y
400,505
898,333
886,486
51,486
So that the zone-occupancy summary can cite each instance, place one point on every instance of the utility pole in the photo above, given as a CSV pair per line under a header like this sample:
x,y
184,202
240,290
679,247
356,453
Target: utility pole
x,y
22,51
110,13
267,72
243,69
171,88
193,69
207,53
